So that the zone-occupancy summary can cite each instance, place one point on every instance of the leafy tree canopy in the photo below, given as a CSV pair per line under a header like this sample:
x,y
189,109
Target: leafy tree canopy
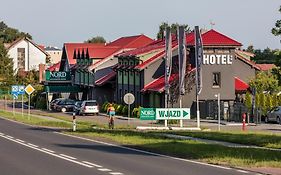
x,y
8,34
6,69
277,29
173,27
267,55
265,81
96,39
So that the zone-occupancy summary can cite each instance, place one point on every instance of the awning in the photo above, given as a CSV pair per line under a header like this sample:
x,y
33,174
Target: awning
x,y
158,85
61,89
240,85
105,78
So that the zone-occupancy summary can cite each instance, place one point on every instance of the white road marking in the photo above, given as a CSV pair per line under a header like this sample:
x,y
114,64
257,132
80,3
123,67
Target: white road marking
x,y
9,136
146,152
30,144
116,173
95,165
242,171
52,154
68,156
1,133
104,169
19,140
45,149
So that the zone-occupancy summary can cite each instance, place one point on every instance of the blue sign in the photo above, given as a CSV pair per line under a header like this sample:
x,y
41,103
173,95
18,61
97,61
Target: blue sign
x,y
18,90
15,96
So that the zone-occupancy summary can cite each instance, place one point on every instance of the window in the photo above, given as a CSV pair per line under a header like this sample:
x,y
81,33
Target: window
x,y
21,58
216,79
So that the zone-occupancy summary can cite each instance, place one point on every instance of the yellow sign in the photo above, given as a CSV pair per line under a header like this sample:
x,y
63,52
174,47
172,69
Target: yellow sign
x,y
29,89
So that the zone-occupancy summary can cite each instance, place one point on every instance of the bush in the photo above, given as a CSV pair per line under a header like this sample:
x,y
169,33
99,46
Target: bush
x,y
136,112
104,107
119,109
41,103
125,110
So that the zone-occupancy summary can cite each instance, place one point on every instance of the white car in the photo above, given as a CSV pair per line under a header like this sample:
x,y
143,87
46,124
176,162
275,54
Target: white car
x,y
89,107
274,115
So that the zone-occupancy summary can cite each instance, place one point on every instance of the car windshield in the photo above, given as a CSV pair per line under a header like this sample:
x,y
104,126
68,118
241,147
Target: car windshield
x,y
78,103
92,103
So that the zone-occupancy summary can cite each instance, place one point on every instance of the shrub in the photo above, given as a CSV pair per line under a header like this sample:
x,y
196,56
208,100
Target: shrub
x,y
119,109
125,110
104,106
136,112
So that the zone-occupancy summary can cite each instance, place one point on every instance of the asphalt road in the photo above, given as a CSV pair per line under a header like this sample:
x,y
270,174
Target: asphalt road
x,y
30,150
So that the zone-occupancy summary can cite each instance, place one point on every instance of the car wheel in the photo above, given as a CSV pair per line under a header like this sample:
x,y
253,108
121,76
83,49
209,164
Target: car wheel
x,y
63,109
278,120
266,119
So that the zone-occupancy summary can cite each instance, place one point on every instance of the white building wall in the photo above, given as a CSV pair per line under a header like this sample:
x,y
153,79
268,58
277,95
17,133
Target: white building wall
x,y
33,55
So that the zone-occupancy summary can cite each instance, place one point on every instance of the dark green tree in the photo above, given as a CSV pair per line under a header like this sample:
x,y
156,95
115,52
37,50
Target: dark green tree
x,y
6,69
250,49
277,29
265,81
173,27
8,34
96,39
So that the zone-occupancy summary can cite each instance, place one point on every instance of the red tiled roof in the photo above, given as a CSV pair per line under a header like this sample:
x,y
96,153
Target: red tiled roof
x,y
266,67
148,61
132,41
70,47
54,67
213,38
105,78
246,60
240,85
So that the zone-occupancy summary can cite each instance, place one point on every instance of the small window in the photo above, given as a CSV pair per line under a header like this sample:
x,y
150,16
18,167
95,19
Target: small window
x,y
216,79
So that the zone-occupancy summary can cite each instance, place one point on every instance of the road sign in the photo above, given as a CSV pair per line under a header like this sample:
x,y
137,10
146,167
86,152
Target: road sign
x,y
21,90
29,89
129,98
172,113
15,96
15,89
147,114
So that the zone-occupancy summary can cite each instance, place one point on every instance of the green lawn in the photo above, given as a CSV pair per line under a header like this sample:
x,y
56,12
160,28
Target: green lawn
x,y
248,138
216,154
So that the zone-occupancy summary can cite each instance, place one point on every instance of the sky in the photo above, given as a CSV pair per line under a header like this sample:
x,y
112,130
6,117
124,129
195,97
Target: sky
x,y
54,22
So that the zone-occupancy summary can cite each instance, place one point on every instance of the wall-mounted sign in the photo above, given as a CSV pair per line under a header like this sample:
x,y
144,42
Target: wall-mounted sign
x,y
217,59
58,76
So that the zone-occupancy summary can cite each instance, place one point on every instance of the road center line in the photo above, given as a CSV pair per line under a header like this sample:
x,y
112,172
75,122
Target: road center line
x,y
19,140
242,171
45,149
104,169
67,156
52,154
95,165
116,173
30,144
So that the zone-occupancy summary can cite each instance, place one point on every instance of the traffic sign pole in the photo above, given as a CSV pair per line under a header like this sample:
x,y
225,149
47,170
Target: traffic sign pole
x,y
13,106
22,105
28,107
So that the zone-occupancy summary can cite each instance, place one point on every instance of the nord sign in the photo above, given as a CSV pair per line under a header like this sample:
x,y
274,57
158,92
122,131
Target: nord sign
x,y
147,114
172,113
217,59
58,76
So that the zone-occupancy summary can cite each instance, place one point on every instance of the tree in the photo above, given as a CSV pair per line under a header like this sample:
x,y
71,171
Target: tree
x,y
265,81
248,101
173,27
277,29
96,39
6,69
8,34
250,49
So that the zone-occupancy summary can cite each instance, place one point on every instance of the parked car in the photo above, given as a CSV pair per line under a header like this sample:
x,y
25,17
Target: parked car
x,y
77,107
274,115
54,102
65,105
89,107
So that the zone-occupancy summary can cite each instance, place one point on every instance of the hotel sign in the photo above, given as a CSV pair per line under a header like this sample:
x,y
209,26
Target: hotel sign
x,y
217,59
58,76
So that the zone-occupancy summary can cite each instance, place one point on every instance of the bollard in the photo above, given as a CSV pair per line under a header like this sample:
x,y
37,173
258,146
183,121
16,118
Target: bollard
x,y
244,121
74,121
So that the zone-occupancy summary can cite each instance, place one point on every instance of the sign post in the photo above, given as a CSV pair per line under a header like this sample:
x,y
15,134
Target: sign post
x,y
29,89
129,99
21,92
14,92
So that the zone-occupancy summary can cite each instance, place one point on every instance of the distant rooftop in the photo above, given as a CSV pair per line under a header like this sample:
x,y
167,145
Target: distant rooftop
x,y
51,48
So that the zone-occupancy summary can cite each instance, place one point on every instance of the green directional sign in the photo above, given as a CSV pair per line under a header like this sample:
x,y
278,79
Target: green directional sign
x,y
172,113
147,114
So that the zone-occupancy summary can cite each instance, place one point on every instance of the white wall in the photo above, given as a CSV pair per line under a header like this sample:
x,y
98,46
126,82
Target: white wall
x,y
32,53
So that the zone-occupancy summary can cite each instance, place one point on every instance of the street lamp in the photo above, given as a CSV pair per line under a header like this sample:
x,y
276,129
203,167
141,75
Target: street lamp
x,y
219,109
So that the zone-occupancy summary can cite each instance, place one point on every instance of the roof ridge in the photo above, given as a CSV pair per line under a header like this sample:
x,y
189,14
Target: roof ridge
x,y
212,30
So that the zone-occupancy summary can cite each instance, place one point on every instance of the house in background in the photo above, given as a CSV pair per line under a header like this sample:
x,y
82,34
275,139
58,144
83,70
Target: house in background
x,y
26,54
54,53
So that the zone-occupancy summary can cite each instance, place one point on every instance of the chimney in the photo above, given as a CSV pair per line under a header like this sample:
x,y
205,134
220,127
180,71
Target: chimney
x,y
42,68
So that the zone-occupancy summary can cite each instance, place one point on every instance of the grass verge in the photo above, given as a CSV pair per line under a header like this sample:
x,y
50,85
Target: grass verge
x,y
215,154
248,138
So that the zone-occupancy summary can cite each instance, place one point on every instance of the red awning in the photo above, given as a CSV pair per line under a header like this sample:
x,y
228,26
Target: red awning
x,y
240,85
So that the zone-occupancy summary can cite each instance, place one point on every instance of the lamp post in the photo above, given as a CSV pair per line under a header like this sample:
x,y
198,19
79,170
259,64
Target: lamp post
x,y
219,110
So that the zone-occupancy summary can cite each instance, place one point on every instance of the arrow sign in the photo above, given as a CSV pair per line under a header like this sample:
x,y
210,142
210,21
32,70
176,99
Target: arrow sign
x,y
172,113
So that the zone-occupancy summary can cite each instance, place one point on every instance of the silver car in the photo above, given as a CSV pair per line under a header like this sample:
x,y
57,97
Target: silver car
x,y
89,107
274,115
